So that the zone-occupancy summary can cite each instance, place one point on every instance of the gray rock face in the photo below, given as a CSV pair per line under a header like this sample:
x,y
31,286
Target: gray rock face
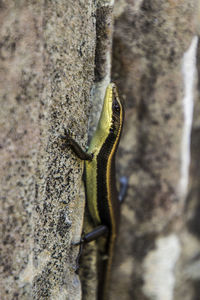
x,y
47,67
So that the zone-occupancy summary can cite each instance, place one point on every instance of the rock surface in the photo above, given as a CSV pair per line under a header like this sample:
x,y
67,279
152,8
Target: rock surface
x,y
151,39
47,69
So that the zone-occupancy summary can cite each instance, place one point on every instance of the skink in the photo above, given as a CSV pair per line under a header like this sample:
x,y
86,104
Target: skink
x,y
102,196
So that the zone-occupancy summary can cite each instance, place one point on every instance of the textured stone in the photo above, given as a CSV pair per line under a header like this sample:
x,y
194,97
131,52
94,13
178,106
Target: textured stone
x,y
46,73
